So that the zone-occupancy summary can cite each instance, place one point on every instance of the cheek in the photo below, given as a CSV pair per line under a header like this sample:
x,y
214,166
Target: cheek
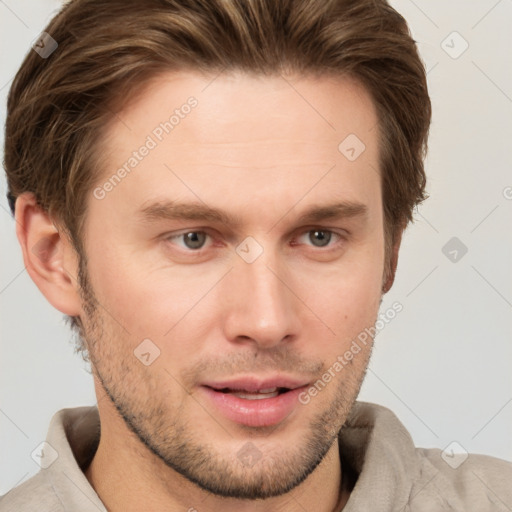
x,y
169,305
348,310
129,296
347,298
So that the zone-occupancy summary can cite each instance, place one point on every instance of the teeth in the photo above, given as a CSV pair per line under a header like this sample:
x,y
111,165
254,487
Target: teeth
x,y
256,396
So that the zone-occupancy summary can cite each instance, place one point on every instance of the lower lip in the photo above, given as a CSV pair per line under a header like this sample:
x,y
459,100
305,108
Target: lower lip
x,y
262,412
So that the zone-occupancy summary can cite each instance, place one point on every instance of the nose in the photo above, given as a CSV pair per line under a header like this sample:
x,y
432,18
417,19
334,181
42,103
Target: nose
x,y
261,307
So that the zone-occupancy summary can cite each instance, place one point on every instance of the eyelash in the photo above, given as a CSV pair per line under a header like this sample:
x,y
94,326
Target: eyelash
x,y
332,246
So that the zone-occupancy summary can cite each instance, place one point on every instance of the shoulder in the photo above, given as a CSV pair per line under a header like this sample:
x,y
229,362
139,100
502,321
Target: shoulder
x,y
470,481
383,453
36,493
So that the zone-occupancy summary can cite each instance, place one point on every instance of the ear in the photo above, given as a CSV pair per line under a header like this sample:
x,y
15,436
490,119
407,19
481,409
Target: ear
x,y
390,278
49,257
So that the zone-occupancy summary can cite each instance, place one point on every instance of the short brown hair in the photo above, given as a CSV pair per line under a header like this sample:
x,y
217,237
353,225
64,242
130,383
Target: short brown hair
x,y
107,50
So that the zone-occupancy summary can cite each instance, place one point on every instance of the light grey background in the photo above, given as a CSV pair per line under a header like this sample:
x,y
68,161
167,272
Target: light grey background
x,y
443,364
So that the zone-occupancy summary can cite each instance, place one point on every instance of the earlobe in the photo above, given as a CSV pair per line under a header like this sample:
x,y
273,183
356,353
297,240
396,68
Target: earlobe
x,y
49,257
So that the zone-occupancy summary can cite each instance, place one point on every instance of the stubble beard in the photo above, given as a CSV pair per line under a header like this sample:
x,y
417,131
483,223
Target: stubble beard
x,y
180,446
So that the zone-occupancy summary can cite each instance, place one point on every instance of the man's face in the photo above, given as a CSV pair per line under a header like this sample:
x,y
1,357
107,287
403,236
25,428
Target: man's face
x,y
269,299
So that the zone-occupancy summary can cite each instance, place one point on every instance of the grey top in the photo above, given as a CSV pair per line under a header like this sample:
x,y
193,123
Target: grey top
x,y
388,472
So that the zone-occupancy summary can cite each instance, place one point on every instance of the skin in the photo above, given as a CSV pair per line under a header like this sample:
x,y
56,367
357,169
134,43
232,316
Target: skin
x,y
264,151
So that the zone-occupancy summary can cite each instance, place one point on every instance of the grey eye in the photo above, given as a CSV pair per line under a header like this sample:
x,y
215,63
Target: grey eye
x,y
194,239
320,238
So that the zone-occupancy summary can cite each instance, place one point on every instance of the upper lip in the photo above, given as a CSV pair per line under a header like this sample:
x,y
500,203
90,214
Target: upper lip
x,y
254,383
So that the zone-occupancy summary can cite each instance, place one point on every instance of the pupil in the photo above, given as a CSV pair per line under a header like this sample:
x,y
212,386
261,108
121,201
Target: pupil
x,y
324,237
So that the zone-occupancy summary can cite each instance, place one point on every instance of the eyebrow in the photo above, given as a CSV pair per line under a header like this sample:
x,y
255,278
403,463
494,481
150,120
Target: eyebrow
x,y
173,210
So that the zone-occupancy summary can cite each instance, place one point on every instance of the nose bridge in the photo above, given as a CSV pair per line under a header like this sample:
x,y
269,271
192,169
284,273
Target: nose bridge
x,y
261,307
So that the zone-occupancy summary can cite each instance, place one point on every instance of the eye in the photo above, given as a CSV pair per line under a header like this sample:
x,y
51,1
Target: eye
x,y
193,240
320,237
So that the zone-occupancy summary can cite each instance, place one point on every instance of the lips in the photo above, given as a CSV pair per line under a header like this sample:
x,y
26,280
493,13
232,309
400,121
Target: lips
x,y
253,401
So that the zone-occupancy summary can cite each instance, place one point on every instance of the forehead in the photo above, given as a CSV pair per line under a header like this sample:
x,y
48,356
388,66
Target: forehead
x,y
191,131
240,108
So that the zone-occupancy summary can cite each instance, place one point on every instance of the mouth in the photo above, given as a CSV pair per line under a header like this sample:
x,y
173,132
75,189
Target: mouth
x,y
255,402
260,394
